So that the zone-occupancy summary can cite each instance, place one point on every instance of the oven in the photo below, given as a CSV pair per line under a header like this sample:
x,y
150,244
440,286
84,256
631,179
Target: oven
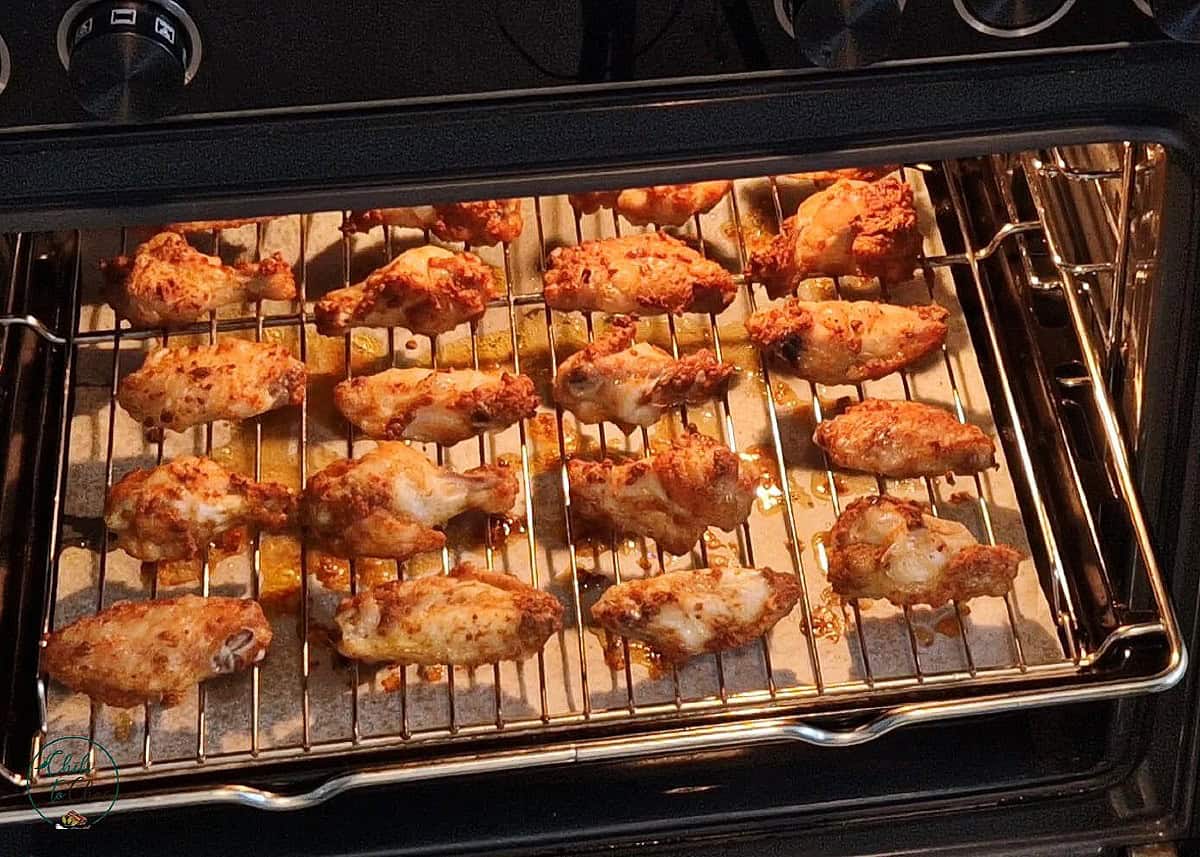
x,y
1051,154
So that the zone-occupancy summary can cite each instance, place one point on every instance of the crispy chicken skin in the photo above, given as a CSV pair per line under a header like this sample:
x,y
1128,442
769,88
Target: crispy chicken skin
x,y
883,547
633,385
486,222
439,407
175,510
663,205
846,342
469,617
387,503
168,282
681,614
646,274
904,440
428,290
671,497
192,227
236,379
155,651
825,178
853,228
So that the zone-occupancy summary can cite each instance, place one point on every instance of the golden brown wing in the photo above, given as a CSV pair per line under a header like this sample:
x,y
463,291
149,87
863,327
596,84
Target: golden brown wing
x,y
485,222
670,204
192,227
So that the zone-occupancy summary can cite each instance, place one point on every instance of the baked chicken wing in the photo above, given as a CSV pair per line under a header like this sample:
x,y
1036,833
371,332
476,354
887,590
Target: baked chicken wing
x,y
486,222
681,614
903,440
167,281
672,496
175,510
883,547
468,618
863,229
155,651
847,342
192,227
633,385
439,407
662,205
236,379
645,274
387,503
824,178
428,290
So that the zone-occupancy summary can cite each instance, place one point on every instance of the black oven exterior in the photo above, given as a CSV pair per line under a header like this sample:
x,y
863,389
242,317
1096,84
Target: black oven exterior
x,y
1062,780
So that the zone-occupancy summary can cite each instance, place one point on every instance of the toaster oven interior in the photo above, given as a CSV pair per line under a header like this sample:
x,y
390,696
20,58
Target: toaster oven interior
x,y
1050,263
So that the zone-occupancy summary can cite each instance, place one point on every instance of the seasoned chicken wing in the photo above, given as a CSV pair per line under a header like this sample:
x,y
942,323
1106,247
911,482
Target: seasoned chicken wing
x,y
825,178
681,614
662,205
671,497
236,379
883,547
633,385
646,274
846,342
862,229
192,227
903,440
155,651
387,503
167,281
439,407
468,618
428,290
486,222
175,510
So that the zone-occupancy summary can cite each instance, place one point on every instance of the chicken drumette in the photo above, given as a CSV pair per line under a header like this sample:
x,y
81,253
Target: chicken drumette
x,y
155,651
167,281
846,342
192,227
486,222
825,178
671,497
883,547
440,407
647,274
681,614
863,229
428,290
469,617
387,503
903,440
632,385
175,510
662,205
235,379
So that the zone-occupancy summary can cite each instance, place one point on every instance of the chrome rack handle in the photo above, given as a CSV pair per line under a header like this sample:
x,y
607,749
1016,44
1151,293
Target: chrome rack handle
x,y
35,324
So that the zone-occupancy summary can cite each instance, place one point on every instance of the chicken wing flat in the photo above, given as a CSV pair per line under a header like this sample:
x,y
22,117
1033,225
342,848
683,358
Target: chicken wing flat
x,y
863,229
428,290
825,178
236,379
846,342
633,385
155,651
175,510
439,407
387,503
468,618
167,281
192,227
662,205
486,222
681,614
903,440
592,201
671,497
646,274
883,547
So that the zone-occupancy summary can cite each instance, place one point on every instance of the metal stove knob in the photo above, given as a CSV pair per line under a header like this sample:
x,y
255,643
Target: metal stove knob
x,y
1012,18
846,33
1179,19
128,59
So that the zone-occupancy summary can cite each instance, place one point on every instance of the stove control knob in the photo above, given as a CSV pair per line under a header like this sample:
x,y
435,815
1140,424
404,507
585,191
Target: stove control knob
x,y
1179,19
1012,18
846,33
128,59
